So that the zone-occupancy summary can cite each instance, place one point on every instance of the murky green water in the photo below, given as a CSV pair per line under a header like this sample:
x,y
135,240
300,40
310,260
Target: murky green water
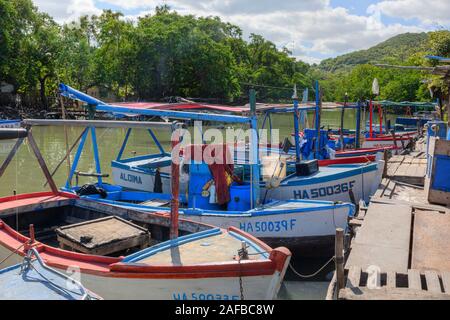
x,y
24,174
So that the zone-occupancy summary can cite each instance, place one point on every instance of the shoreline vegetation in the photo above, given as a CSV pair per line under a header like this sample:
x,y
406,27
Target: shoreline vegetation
x,y
165,54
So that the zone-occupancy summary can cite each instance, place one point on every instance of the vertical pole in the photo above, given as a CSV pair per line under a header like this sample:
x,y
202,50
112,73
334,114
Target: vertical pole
x,y
66,134
358,126
296,125
124,144
385,168
380,115
317,120
77,158
96,156
342,121
254,154
371,119
339,259
175,188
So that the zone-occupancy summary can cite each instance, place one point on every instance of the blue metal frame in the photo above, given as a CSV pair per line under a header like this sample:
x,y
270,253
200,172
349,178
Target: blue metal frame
x,y
124,144
71,93
296,127
96,156
358,126
158,144
76,159
317,120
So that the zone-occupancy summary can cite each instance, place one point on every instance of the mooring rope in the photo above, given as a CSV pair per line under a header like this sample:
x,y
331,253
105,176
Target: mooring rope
x,y
313,274
12,253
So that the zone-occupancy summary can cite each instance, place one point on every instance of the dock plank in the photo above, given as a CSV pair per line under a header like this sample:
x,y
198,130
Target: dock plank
x,y
391,279
385,293
431,241
446,281
433,284
384,239
414,281
354,277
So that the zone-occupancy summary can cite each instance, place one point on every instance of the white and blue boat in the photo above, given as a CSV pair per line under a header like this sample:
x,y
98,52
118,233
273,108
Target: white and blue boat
x,y
34,280
144,183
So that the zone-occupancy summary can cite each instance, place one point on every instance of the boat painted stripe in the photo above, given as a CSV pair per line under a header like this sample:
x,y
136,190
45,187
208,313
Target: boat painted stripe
x,y
337,176
327,205
136,257
9,121
16,266
134,170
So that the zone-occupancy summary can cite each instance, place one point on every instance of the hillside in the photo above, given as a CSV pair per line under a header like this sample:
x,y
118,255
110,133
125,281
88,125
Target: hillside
x,y
399,47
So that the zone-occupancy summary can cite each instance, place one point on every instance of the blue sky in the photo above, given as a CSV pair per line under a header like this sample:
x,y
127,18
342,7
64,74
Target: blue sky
x,y
312,29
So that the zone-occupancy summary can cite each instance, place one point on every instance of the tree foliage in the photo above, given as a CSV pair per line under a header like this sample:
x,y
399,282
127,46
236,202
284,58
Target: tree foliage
x,y
166,54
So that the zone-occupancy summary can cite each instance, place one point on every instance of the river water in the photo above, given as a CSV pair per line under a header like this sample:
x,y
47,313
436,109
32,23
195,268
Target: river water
x,y
24,175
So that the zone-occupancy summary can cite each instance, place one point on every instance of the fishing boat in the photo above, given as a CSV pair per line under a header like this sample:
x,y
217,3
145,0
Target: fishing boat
x,y
138,173
304,226
120,253
145,181
34,280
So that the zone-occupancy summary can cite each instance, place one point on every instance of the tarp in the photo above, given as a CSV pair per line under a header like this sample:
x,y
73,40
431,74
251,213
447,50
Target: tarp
x,y
182,106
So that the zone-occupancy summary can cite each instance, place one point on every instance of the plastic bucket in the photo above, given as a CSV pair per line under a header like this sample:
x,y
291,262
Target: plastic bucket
x,y
240,197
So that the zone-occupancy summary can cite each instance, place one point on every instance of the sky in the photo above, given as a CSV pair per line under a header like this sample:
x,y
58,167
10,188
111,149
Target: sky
x,y
312,29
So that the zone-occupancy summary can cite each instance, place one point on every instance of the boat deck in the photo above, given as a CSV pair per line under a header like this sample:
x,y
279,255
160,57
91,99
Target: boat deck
x,y
214,249
36,283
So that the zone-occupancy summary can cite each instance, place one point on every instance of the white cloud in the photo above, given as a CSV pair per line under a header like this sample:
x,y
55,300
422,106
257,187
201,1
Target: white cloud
x,y
428,12
316,28
64,11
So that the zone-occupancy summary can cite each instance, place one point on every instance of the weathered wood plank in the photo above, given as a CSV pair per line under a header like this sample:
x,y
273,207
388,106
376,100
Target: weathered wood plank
x,y
353,277
433,284
431,241
445,275
385,293
414,281
391,279
384,239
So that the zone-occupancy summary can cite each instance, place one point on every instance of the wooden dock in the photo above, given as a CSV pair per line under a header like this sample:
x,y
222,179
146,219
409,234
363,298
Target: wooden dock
x,y
400,244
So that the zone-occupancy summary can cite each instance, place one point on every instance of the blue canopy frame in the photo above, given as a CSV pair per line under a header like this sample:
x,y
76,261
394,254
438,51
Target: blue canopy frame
x,y
99,105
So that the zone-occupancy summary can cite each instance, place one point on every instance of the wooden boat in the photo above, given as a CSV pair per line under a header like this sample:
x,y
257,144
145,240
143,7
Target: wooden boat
x,y
122,253
306,227
34,280
299,224
397,142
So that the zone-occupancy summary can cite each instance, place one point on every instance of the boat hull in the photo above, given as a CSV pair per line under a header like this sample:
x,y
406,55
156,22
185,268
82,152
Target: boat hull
x,y
140,180
121,278
363,182
138,287
306,232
